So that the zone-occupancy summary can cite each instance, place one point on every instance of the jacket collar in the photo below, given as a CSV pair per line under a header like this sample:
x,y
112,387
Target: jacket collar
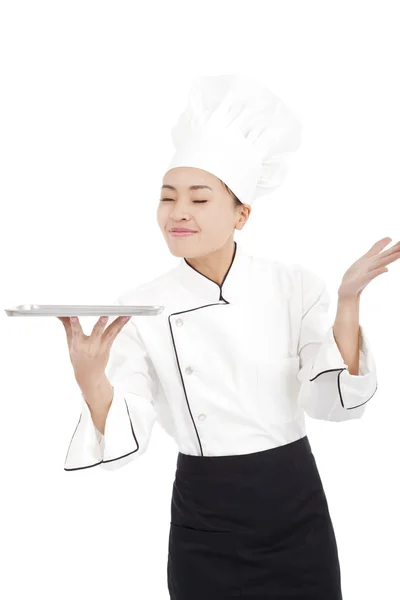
x,y
235,286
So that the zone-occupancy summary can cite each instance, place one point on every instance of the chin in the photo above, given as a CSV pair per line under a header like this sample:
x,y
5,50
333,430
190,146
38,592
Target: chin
x,y
178,246
176,253
175,250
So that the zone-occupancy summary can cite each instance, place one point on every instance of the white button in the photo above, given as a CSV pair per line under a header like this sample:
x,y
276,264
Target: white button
x,y
179,322
188,370
202,417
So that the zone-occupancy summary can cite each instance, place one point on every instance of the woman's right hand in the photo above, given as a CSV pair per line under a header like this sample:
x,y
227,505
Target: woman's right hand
x,y
89,354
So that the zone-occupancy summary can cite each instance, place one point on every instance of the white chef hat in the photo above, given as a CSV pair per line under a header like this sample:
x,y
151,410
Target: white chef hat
x,y
237,129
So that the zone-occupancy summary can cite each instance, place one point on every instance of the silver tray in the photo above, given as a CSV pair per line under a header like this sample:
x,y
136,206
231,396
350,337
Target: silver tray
x,y
82,310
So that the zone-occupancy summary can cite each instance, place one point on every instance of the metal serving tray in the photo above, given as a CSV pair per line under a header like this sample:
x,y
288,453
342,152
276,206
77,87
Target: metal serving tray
x,y
82,310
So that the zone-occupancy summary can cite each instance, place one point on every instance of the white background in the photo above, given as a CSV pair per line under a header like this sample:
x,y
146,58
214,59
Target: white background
x,y
90,92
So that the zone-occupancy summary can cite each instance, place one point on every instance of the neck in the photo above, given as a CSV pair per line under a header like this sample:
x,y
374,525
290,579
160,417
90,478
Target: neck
x,y
215,265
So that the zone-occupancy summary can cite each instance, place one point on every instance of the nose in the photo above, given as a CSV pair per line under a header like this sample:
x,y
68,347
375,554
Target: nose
x,y
179,212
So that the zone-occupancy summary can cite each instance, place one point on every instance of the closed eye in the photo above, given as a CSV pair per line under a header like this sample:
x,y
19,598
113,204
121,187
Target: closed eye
x,y
195,201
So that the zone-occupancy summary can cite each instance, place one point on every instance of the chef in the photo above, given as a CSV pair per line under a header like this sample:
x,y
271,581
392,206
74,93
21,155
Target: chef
x,y
242,351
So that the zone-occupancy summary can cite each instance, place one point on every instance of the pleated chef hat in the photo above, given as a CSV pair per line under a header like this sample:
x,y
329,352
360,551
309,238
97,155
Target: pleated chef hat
x,y
238,130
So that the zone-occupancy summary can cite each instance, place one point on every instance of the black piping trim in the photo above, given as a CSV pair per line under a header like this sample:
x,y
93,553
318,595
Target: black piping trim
x,y
179,366
221,298
340,392
223,281
103,461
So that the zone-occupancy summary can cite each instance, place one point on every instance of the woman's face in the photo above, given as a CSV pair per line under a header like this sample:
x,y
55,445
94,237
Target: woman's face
x,y
210,211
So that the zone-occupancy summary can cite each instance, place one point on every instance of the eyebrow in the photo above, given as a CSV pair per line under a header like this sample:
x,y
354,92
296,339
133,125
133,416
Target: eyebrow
x,y
192,187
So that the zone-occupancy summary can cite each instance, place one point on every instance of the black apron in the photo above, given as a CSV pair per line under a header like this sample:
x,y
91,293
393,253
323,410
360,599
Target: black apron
x,y
253,526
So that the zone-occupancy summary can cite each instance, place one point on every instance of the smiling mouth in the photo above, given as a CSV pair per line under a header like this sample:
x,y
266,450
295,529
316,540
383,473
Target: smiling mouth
x,y
182,233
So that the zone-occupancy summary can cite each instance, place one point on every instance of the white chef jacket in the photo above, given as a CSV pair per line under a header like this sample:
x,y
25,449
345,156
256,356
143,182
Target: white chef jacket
x,y
224,370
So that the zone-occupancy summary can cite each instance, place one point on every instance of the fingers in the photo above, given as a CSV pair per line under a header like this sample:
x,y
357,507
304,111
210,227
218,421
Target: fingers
x,y
76,327
72,328
375,272
115,327
393,249
65,321
378,246
99,326
387,259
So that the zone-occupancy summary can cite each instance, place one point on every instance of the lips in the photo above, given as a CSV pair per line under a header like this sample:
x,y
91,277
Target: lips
x,y
181,233
181,230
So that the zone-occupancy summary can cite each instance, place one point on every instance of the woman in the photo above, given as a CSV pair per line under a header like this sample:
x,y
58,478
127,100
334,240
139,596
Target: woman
x,y
241,352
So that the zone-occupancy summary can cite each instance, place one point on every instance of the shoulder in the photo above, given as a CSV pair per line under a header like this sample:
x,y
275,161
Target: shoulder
x,y
281,275
292,277
312,287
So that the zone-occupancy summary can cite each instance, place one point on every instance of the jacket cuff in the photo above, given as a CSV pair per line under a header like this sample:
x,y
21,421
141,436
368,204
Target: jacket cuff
x,y
354,390
84,449
119,438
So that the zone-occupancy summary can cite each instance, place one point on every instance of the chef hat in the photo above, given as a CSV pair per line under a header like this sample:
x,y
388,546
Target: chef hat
x,y
238,130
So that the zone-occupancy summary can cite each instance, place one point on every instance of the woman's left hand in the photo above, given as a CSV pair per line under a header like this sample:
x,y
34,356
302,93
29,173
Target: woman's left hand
x,y
370,265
